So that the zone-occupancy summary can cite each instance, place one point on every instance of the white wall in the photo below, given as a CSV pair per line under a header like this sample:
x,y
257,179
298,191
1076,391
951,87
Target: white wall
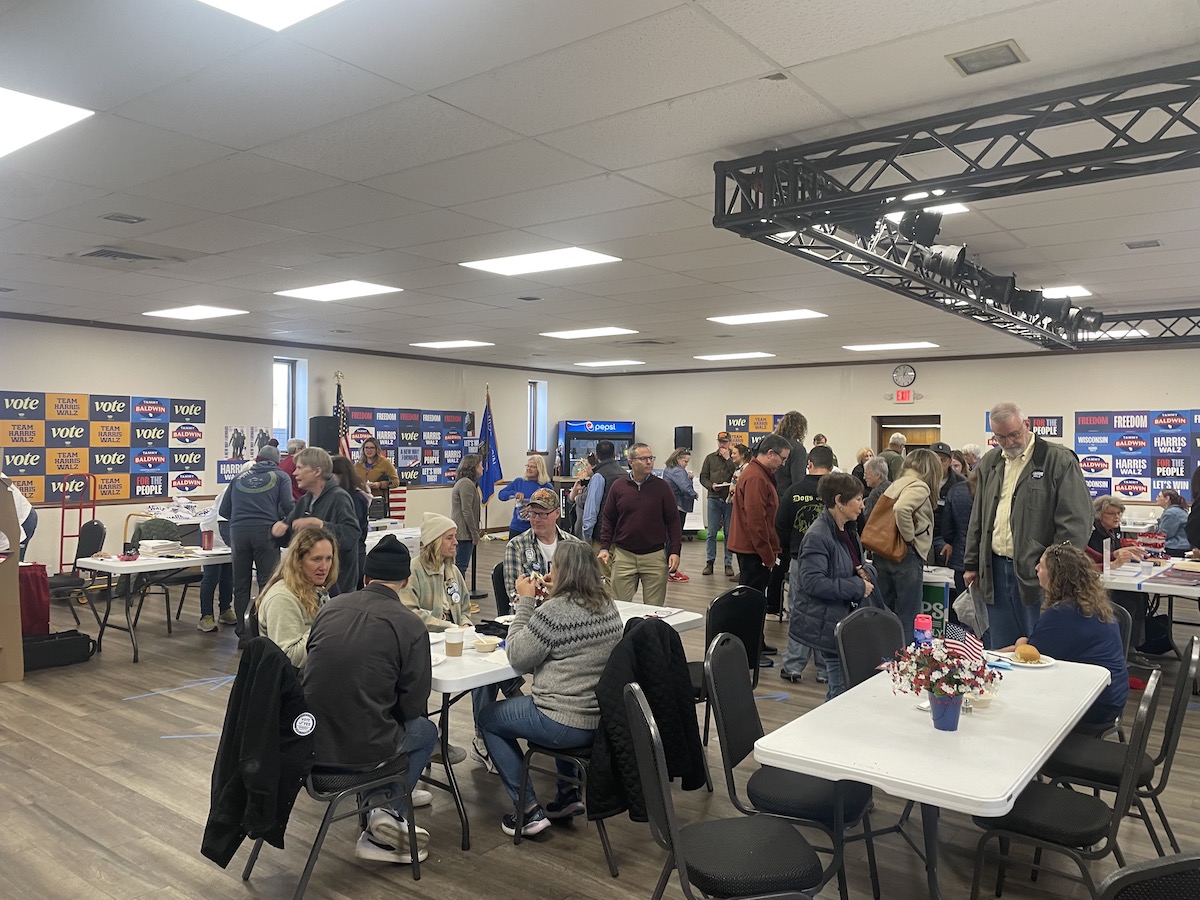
x,y
235,379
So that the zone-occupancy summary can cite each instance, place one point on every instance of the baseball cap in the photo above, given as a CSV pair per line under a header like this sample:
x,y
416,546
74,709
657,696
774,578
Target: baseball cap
x,y
543,498
940,447
723,436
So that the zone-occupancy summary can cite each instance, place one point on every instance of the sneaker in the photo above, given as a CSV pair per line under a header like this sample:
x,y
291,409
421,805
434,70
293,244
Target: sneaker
x,y
227,617
369,848
473,609
387,828
821,679
729,572
422,797
793,677
457,755
765,662
207,623
535,823
564,806
708,568
479,753
678,577
768,649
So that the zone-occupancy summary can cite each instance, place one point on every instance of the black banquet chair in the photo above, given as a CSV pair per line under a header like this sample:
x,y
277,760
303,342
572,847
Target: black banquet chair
x,y
745,857
738,611
1072,823
811,802
503,602
1171,878
865,638
72,586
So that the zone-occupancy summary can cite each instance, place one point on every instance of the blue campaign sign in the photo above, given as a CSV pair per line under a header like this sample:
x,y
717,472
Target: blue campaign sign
x,y
149,434
228,469
150,459
184,459
1132,488
1096,465
1098,487
1170,443
1131,443
108,408
1170,421
1093,422
188,411
1130,467
22,405
151,409
1093,443
1125,420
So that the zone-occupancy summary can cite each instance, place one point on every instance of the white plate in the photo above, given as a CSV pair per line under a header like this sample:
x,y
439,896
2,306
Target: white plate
x,y
436,659
505,620
436,637
1044,663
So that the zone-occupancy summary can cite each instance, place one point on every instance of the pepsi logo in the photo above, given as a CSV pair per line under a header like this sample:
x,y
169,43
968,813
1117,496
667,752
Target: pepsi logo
x,y
151,408
186,434
1130,487
588,426
186,482
1093,464
1169,420
1130,442
360,434
148,459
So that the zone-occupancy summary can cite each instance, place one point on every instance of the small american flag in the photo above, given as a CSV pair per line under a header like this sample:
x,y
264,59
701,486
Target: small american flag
x,y
343,417
962,642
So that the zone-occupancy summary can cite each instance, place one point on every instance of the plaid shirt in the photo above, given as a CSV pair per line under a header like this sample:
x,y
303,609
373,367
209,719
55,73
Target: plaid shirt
x,y
522,557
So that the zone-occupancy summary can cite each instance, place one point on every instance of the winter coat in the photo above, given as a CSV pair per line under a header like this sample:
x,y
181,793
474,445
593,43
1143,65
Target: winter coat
x,y
829,586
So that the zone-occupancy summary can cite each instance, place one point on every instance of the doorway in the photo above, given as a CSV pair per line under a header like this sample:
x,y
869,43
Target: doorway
x,y
919,431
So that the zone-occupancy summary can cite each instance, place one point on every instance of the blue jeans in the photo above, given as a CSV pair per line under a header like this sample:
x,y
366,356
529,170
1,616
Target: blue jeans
x,y
718,520
214,577
796,656
420,739
462,556
482,697
1009,617
833,671
900,588
505,721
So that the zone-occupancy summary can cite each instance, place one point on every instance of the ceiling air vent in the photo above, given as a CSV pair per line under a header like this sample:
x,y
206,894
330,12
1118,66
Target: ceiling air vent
x,y
130,256
1142,245
984,59
646,342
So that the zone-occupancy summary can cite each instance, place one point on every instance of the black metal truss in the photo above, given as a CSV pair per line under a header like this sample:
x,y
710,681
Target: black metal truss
x,y
1161,328
825,201
1136,125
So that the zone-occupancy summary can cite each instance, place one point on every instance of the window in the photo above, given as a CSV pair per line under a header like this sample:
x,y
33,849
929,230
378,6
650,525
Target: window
x,y
539,417
283,400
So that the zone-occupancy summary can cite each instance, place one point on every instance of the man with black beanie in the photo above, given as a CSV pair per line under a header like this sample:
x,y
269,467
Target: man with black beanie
x,y
367,680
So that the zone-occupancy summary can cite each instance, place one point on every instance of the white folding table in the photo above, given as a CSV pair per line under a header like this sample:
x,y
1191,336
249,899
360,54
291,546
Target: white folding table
x,y
1129,577
873,736
141,566
458,675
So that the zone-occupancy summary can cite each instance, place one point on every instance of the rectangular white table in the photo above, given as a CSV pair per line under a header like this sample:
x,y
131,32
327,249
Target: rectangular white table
x,y
409,537
873,736
1130,578
142,566
458,675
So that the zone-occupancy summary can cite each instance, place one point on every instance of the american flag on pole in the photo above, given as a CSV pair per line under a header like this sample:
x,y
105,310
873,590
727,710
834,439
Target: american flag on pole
x,y
343,418
962,642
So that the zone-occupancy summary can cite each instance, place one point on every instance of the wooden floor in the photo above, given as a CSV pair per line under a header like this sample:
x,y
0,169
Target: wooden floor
x,y
105,767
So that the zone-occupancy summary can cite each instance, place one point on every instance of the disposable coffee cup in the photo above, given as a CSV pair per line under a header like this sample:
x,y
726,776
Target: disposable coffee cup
x,y
454,641
1147,568
206,540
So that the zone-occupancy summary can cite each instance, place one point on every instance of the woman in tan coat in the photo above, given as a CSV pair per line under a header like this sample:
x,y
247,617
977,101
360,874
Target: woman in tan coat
x,y
900,582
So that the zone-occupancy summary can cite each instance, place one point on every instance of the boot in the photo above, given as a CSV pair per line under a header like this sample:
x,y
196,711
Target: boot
x,y
708,568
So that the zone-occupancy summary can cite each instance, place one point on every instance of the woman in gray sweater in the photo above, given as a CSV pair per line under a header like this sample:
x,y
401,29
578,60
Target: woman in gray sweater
x,y
565,642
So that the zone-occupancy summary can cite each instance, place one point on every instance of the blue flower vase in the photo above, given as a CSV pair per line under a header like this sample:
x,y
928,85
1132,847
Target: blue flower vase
x,y
945,711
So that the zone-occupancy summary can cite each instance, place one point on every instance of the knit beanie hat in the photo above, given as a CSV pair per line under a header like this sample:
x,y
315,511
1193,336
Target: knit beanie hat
x,y
389,560
433,526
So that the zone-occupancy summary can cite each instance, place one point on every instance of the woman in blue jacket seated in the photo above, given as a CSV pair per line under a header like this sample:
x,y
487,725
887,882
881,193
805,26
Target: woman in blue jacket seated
x,y
833,577
521,489
1077,624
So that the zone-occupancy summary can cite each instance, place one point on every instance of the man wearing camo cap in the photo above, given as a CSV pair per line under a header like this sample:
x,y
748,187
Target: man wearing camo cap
x,y
532,552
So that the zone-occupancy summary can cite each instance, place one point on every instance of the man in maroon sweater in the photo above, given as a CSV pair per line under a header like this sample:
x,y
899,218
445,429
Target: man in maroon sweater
x,y
639,514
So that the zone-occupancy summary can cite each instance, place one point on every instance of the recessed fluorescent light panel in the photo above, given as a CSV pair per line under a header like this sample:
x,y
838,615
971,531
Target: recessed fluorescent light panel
x,y
547,261
1068,291
194,313
947,209
587,333
274,14
910,345
452,345
339,290
786,315
27,119
722,357
1115,334
611,362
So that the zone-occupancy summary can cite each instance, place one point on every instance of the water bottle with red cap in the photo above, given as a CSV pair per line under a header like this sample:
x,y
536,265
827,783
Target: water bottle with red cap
x,y
923,630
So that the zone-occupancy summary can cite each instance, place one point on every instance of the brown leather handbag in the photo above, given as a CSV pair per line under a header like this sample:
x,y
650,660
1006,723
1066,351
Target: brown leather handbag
x,y
881,536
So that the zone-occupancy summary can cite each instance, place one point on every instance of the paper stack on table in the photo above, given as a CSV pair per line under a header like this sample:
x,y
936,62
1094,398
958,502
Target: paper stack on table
x,y
160,548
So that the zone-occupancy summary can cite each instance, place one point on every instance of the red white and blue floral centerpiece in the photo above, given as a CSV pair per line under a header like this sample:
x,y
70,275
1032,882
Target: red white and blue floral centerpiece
x,y
946,674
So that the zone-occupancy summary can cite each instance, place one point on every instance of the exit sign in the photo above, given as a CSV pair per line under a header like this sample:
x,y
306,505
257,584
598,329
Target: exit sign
x,y
904,395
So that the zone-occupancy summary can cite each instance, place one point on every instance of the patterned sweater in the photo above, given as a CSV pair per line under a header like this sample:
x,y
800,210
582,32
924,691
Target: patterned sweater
x,y
566,648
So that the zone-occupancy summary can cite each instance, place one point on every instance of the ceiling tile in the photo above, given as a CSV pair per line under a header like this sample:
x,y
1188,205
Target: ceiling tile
x,y
623,223
24,195
599,194
411,231
333,208
218,234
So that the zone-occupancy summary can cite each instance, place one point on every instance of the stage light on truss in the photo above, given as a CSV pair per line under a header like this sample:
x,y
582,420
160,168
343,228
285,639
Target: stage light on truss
x,y
998,289
1056,311
946,260
1085,319
921,227
1028,303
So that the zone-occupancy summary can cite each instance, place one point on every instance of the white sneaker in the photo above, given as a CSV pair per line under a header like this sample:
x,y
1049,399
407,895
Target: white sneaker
x,y
479,754
422,797
369,848
206,623
385,827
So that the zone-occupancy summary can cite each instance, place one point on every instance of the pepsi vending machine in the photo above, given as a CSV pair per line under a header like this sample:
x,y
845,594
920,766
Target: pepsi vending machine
x,y
578,438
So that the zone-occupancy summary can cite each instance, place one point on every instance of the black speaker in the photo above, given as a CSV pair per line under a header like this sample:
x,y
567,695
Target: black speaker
x,y
323,433
683,436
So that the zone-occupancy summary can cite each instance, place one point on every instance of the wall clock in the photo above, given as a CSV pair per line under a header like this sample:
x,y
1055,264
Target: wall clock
x,y
904,375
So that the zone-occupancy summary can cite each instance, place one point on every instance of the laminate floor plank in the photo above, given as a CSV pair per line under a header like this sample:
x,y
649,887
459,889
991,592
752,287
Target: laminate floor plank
x,y
105,773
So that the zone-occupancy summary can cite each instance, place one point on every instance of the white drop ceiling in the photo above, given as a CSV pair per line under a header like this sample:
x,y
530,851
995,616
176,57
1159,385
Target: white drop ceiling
x,y
390,140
